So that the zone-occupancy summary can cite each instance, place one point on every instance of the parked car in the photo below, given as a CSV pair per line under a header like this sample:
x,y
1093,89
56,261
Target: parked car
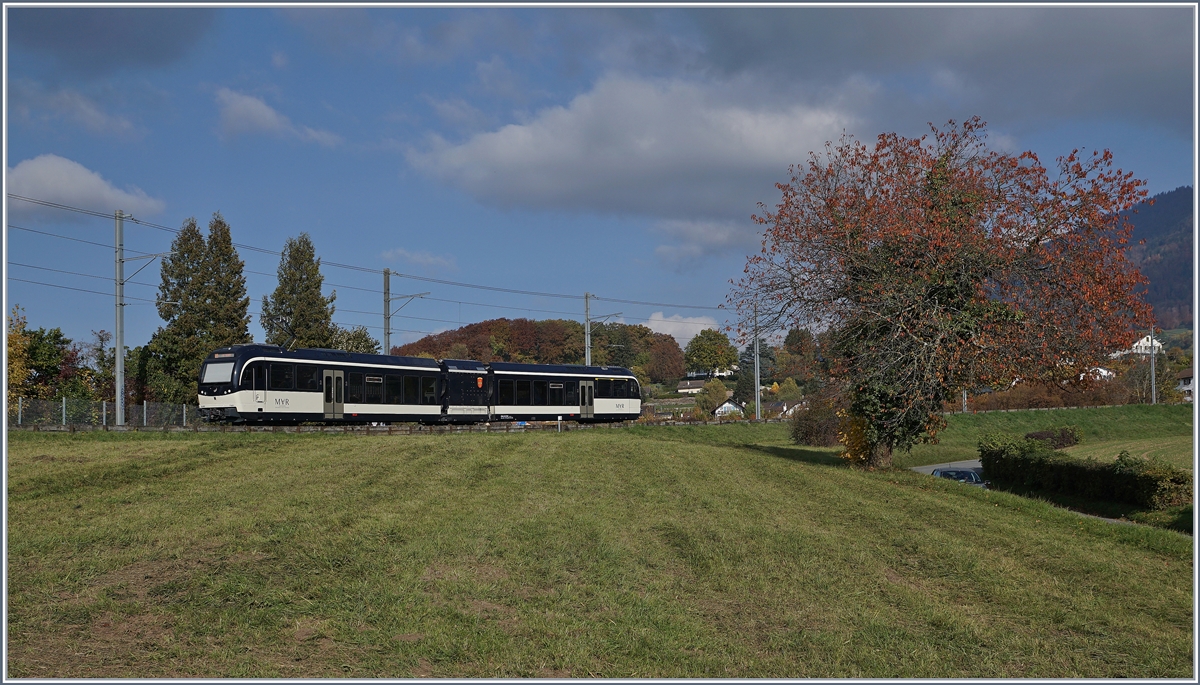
x,y
962,475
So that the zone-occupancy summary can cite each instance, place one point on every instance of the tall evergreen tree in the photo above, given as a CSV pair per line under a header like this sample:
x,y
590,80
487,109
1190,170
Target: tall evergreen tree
x,y
227,303
297,305
202,299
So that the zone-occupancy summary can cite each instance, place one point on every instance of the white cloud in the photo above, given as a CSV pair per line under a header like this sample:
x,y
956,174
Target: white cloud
x,y
31,101
279,59
246,114
682,328
422,258
458,113
57,179
660,148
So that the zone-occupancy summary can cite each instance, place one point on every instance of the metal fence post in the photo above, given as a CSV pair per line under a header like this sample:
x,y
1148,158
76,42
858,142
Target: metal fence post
x,y
184,407
20,406
145,404
103,412
64,411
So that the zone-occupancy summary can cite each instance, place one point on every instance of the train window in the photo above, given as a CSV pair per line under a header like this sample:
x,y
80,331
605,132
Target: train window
x,y
635,392
412,389
329,392
539,393
570,392
373,390
620,389
337,386
394,389
308,377
505,392
556,394
354,387
604,388
220,372
522,392
283,376
429,390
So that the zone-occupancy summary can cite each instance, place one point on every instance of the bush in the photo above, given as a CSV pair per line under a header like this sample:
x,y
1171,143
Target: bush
x,y
817,424
1028,463
1058,438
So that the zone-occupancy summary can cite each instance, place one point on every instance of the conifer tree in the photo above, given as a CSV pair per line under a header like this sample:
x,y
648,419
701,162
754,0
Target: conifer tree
x,y
227,303
202,299
297,305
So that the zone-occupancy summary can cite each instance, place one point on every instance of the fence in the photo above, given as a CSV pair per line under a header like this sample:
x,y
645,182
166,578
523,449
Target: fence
x,y
73,412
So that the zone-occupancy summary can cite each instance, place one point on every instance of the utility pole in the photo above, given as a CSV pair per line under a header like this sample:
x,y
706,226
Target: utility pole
x,y
587,327
757,381
1153,380
119,333
387,308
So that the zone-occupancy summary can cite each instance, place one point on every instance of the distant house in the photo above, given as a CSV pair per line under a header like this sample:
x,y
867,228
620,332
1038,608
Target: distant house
x,y
1185,384
689,387
714,373
730,407
1143,346
780,409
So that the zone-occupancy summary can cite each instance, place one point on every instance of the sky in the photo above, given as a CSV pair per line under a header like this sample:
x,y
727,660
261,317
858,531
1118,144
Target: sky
x,y
617,151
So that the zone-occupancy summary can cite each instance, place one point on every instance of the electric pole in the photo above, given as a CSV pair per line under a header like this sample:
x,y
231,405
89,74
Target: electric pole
x,y
1153,383
119,333
587,329
387,311
757,381
387,308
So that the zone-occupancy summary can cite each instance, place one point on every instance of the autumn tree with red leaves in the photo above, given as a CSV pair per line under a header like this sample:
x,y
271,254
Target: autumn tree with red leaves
x,y
938,264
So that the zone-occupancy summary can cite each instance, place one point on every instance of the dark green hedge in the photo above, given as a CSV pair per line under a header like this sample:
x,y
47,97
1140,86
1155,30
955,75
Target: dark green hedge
x,y
1021,462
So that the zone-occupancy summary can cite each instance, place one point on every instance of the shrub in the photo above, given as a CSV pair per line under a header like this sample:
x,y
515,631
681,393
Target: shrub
x,y
1058,438
816,424
1024,462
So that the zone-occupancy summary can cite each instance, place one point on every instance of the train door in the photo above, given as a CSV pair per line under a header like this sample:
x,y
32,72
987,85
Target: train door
x,y
258,384
587,399
334,385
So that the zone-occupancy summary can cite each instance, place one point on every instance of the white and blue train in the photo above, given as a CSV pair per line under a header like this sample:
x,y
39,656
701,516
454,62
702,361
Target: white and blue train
x,y
265,384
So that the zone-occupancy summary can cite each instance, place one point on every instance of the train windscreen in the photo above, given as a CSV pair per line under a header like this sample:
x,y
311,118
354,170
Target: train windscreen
x,y
219,372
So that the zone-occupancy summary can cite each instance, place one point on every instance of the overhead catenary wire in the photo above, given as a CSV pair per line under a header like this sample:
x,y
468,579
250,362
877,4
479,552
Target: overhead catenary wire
x,y
82,290
74,273
352,267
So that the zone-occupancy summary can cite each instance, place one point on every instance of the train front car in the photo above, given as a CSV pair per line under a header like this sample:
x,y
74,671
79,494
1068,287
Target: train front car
x,y
264,384
546,392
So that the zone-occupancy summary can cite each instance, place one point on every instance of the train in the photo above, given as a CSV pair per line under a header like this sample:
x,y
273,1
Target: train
x,y
266,384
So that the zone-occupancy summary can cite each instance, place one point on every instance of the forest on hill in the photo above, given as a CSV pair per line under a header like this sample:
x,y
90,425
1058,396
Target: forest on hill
x,y
1165,258
657,356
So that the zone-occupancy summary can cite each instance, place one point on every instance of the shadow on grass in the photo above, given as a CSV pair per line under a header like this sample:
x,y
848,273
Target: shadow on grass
x,y
808,455
1174,518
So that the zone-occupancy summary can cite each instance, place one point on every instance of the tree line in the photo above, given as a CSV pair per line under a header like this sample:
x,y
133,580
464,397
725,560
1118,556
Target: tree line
x,y
204,305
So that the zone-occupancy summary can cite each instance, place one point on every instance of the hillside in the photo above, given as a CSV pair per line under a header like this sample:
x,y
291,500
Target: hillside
x,y
555,341
1166,256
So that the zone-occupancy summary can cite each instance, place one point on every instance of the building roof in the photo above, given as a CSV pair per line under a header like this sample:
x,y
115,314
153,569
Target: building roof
x,y
688,385
1186,373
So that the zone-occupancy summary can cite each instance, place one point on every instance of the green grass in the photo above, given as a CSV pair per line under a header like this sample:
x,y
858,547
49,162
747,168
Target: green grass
x,y
656,551
1161,430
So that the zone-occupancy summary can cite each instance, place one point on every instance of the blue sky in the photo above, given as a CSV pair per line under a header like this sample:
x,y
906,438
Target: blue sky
x,y
617,151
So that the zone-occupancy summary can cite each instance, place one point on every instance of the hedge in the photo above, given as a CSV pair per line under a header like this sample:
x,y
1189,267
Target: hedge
x,y
1023,462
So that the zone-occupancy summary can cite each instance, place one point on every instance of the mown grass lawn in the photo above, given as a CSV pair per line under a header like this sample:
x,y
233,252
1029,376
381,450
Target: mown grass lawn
x,y
667,552
1163,431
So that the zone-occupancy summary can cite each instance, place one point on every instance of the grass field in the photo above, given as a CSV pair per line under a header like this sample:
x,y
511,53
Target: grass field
x,y
1164,431
656,551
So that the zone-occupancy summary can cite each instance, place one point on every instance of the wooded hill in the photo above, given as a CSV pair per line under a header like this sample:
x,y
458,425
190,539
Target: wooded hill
x,y
657,356
1166,256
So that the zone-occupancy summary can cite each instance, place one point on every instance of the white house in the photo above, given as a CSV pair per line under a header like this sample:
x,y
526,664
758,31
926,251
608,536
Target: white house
x,y
1185,384
715,373
689,387
730,407
1143,346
